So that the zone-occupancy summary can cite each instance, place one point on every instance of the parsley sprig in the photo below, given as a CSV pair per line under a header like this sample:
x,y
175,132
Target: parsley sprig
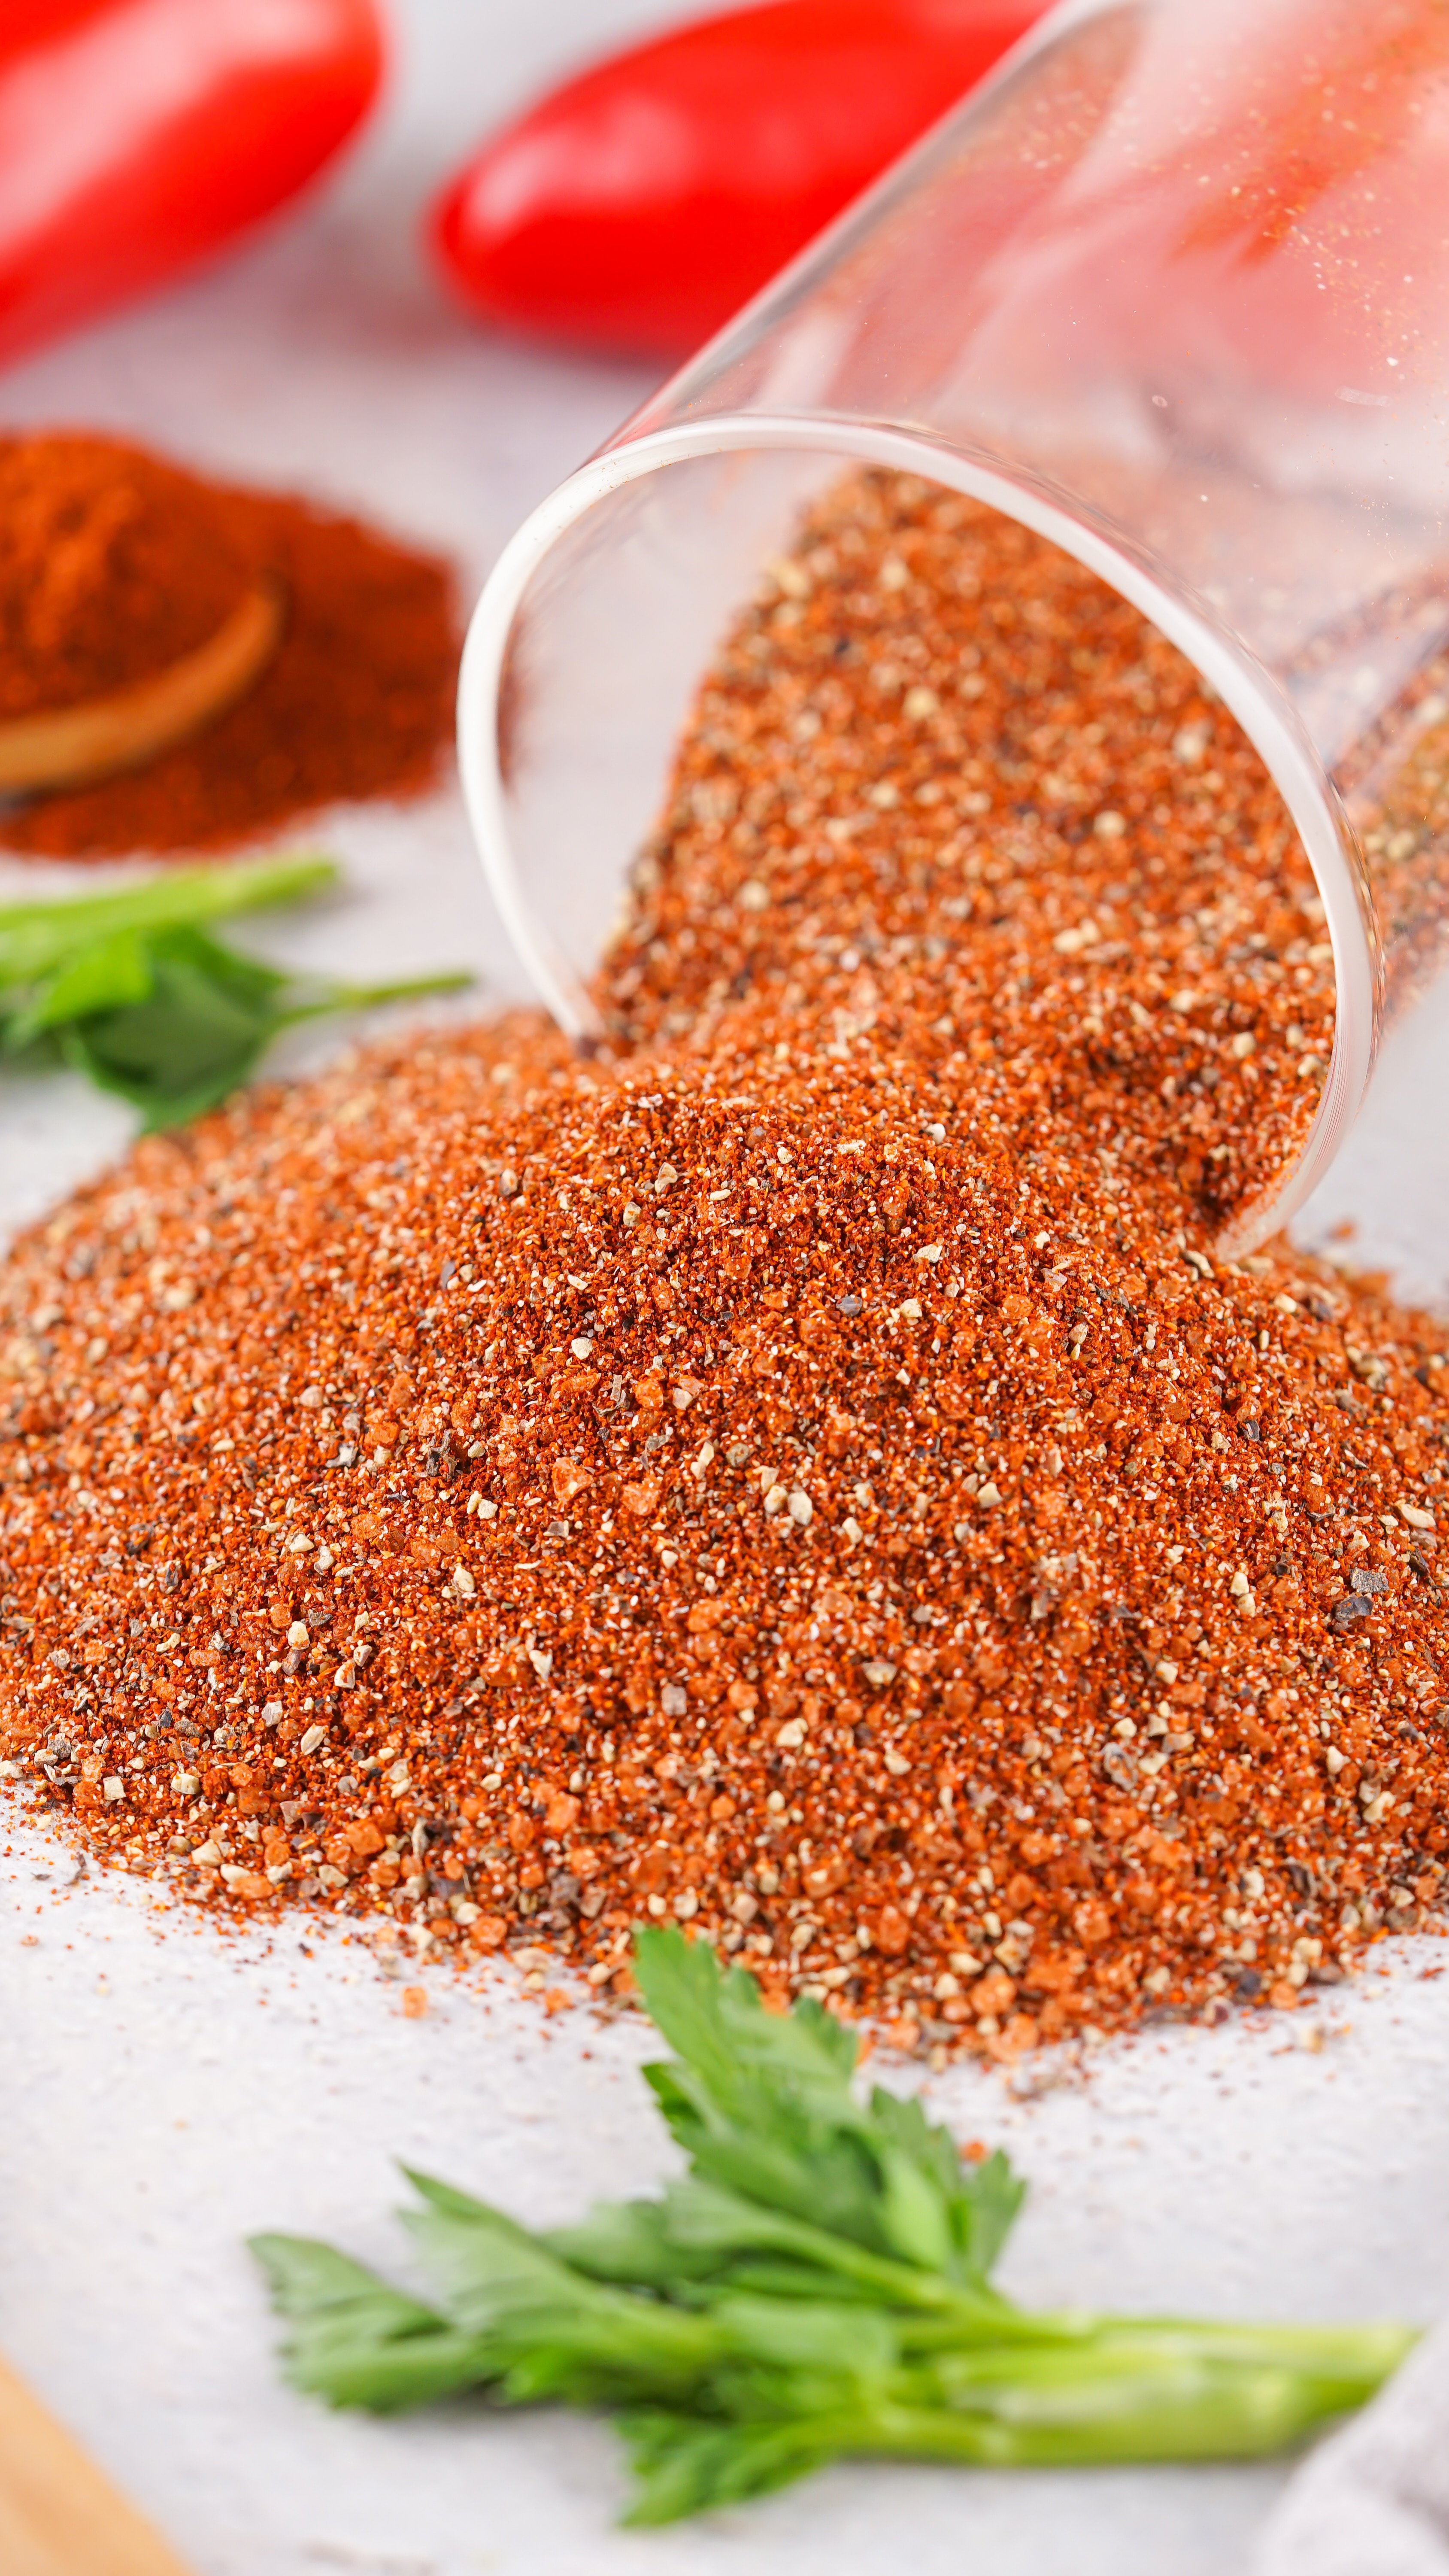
x,y
132,989
818,2283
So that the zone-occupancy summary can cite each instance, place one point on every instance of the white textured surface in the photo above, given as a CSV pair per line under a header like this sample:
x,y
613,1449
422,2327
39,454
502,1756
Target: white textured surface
x,y
165,2092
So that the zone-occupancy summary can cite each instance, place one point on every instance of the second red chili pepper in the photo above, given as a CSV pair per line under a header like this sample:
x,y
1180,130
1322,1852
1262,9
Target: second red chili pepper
x,y
637,207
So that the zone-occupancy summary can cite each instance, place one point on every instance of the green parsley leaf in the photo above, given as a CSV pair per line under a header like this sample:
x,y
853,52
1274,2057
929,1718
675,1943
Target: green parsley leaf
x,y
133,990
354,2340
683,2465
762,2102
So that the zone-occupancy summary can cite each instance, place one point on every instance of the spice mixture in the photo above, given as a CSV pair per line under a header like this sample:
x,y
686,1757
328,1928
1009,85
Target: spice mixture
x,y
806,1471
114,564
947,794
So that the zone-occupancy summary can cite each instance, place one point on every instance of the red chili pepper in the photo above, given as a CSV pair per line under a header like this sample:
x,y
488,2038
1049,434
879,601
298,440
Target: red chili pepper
x,y
138,135
641,204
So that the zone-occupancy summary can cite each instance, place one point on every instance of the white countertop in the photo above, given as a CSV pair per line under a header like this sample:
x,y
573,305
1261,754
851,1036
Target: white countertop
x,y
166,2090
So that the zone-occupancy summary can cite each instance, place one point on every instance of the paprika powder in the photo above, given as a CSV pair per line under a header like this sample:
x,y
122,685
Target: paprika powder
x,y
116,564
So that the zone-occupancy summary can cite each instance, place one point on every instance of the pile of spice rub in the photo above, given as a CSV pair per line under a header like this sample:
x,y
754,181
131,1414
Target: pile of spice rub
x,y
803,1471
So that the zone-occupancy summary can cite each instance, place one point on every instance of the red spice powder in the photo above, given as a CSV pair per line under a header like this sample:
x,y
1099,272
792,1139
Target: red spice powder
x,y
815,1481
115,563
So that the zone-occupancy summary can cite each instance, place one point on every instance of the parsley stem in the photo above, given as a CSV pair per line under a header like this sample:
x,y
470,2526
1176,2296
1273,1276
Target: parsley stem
x,y
34,937
363,997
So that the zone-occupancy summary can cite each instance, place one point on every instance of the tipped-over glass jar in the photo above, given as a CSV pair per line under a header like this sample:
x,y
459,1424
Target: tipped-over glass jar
x,y
1172,289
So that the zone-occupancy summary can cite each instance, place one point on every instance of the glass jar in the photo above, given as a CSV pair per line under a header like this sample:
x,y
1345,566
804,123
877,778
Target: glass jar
x,y
1172,289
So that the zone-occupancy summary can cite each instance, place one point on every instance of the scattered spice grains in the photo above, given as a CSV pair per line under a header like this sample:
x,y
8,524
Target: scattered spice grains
x,y
946,793
805,1472
115,563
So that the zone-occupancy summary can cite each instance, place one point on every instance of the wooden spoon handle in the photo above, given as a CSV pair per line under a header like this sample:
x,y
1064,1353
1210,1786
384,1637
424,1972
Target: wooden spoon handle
x,y
58,2515
78,744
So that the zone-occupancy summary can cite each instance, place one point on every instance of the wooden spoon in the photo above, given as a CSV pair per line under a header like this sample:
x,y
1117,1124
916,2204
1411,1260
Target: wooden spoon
x,y
80,744
58,2515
